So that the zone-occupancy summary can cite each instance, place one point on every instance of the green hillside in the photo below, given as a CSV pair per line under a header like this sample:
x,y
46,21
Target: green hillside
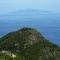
x,y
28,44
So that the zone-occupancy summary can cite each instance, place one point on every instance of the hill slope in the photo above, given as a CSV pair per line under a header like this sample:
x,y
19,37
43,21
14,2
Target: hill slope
x,y
29,45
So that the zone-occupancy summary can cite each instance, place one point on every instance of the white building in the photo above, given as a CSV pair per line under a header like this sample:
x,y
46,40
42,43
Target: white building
x,y
8,53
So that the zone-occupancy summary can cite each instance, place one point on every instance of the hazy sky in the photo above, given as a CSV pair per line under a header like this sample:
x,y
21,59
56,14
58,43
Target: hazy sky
x,y
7,6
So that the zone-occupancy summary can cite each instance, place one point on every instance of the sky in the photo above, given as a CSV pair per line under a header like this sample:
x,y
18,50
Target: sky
x,y
8,6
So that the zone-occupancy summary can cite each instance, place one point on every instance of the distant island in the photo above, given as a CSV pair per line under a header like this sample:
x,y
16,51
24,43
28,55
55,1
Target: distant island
x,y
29,13
27,44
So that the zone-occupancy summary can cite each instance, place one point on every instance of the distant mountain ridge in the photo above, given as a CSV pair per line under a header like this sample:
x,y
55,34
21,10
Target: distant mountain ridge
x,y
31,12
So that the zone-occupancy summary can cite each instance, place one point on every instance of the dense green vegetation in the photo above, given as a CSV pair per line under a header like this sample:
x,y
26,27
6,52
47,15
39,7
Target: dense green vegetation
x,y
6,57
28,44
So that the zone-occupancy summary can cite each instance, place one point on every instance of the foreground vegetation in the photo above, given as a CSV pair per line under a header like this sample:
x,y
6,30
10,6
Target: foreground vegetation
x,y
28,44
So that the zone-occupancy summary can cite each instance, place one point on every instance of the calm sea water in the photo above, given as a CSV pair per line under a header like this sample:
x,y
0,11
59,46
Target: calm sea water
x,y
48,27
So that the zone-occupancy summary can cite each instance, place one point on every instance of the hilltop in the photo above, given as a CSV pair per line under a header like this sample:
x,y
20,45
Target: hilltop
x,y
29,44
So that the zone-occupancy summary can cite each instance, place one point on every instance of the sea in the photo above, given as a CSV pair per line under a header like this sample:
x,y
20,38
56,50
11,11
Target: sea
x,y
49,27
